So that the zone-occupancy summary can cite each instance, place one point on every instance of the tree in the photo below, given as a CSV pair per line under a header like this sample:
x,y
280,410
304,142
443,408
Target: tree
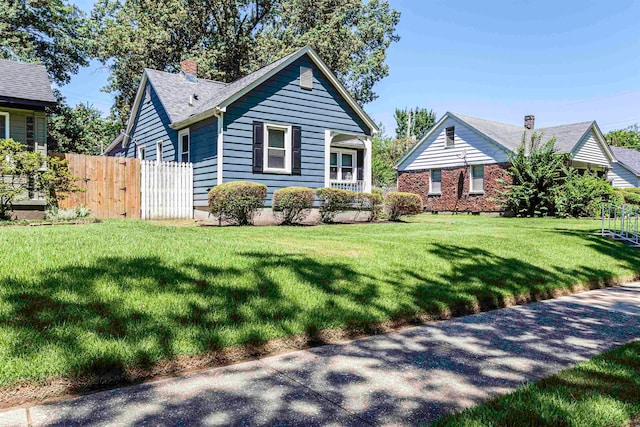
x,y
628,137
230,39
80,129
414,123
51,32
535,171
386,152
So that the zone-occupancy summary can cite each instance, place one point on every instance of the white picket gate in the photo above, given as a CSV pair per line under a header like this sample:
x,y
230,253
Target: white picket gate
x,y
166,190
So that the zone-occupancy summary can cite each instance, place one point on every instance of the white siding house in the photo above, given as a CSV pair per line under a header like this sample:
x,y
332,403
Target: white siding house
x,y
625,173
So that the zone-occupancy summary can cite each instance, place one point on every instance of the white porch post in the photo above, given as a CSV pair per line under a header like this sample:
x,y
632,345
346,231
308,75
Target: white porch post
x,y
327,156
367,165
220,143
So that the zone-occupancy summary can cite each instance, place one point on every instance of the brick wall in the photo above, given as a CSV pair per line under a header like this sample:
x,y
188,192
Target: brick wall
x,y
455,195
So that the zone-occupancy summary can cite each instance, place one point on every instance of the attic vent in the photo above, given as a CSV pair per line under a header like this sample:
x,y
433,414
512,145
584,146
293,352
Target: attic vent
x,y
306,78
147,94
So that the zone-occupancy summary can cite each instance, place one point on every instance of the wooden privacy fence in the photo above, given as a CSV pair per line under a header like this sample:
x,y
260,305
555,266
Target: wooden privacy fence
x,y
111,185
166,190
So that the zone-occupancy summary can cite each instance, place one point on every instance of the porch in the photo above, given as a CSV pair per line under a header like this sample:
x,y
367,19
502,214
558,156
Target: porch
x,y
348,161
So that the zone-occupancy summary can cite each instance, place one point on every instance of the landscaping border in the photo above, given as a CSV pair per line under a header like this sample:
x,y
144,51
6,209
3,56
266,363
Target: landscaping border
x,y
30,393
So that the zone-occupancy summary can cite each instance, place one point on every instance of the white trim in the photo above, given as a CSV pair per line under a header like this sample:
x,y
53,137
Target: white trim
x,y
327,156
367,165
159,150
431,192
354,163
141,152
7,124
183,132
220,147
287,148
471,189
319,63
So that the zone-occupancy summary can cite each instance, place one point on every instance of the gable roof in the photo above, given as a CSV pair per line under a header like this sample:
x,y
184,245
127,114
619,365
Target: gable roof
x,y
628,158
510,137
174,92
24,81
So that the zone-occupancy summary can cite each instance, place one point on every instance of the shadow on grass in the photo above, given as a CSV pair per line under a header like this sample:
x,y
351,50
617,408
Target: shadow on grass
x,y
109,321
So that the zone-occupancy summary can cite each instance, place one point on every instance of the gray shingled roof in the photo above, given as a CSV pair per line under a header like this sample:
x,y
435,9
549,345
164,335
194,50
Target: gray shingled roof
x,y
25,81
174,92
629,157
234,87
510,136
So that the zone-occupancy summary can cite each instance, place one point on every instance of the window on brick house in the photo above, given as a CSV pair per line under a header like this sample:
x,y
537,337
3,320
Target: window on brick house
x,y
435,184
477,179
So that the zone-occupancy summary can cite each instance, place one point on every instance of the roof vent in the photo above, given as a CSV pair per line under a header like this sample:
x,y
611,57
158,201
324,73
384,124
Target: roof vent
x,y
306,78
529,121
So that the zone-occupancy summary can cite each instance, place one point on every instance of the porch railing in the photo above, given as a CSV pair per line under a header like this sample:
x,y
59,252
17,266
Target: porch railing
x,y
621,222
355,186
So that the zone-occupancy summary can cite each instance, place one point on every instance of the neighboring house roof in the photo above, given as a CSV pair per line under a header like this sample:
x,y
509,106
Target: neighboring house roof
x,y
22,81
174,92
628,158
510,137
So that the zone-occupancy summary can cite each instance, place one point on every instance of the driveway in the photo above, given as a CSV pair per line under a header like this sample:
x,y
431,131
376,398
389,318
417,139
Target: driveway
x,y
407,377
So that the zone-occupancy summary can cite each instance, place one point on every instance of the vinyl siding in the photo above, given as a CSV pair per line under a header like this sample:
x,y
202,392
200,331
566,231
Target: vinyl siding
x,y
18,127
204,147
280,100
470,147
589,150
152,125
620,177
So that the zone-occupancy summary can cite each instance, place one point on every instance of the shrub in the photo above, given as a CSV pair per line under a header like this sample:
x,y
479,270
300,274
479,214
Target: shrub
x,y
583,195
237,202
333,201
535,171
399,204
629,196
371,202
293,204
56,214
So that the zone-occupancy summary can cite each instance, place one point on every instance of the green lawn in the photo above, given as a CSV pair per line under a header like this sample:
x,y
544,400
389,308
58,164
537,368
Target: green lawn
x,y
604,391
77,301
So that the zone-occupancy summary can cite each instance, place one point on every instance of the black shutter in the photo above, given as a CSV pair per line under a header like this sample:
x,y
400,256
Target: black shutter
x,y
296,150
360,164
258,146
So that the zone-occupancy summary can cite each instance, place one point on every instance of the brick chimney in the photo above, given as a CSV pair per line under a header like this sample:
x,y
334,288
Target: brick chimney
x,y
529,121
189,66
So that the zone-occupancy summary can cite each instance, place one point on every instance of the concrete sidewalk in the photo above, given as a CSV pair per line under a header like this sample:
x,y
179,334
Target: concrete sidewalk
x,y
408,377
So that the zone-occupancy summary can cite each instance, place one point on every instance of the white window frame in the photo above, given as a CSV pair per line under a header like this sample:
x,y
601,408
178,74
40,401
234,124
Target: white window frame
x,y
7,123
142,152
431,182
446,138
287,148
159,147
180,152
354,155
471,189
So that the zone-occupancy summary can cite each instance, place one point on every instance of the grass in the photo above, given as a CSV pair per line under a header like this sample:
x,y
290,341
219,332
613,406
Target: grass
x,y
96,300
604,391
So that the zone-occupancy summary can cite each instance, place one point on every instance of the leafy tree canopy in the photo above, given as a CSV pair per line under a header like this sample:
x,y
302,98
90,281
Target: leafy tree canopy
x,y
80,129
51,32
232,38
414,123
628,137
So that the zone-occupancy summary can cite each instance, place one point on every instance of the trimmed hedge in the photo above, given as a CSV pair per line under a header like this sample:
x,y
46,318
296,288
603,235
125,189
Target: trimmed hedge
x,y
293,204
237,202
398,204
371,202
334,201
630,196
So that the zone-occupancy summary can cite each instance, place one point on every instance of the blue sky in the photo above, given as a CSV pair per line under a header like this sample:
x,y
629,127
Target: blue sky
x,y
563,61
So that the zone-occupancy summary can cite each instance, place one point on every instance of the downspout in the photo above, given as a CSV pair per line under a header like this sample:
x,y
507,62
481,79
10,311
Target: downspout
x,y
219,113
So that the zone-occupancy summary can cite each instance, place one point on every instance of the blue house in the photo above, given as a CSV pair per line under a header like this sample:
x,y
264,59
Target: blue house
x,y
289,123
